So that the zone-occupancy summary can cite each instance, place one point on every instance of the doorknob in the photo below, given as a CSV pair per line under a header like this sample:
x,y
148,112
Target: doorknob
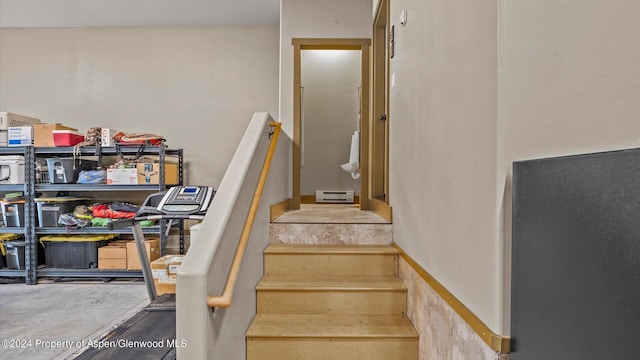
x,y
383,117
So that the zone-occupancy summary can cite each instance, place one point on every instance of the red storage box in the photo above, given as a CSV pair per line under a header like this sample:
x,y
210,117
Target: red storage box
x,y
67,138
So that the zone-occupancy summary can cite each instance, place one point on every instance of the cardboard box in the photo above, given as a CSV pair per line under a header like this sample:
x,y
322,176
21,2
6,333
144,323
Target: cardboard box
x,y
153,252
149,173
21,136
122,176
8,120
107,135
164,272
43,134
112,257
121,243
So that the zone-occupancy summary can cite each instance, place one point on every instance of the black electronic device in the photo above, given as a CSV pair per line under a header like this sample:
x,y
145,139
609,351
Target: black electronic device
x,y
186,200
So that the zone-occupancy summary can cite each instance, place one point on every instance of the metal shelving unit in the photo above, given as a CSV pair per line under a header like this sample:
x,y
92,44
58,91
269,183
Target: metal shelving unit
x,y
28,230
30,188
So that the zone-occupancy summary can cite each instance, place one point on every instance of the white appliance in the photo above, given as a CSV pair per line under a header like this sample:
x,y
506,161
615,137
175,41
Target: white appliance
x,y
8,120
12,169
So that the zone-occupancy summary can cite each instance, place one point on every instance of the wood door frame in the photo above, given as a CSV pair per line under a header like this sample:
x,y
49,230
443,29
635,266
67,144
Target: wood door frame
x,y
380,91
300,44
379,158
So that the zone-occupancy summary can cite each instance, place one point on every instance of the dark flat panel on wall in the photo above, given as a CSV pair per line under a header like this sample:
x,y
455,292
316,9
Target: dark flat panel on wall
x,y
576,257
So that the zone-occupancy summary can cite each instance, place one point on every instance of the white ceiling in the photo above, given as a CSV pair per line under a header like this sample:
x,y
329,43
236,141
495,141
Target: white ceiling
x,y
56,13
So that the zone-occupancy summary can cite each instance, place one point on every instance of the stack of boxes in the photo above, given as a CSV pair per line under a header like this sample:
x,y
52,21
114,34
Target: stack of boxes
x,y
164,272
123,255
16,130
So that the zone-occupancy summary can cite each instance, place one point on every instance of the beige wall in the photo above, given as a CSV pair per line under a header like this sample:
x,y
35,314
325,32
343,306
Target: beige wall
x,y
570,77
330,79
569,84
443,144
315,19
481,85
197,86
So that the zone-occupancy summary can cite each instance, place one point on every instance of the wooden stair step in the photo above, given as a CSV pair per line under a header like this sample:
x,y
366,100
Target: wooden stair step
x,y
326,294
321,337
331,326
330,249
331,259
331,283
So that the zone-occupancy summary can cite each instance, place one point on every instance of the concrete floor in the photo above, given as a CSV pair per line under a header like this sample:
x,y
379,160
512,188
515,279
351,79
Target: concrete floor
x,y
74,312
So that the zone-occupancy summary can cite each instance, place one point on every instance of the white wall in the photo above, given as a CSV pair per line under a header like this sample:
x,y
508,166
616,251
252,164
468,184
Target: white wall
x,y
315,19
197,86
443,146
330,79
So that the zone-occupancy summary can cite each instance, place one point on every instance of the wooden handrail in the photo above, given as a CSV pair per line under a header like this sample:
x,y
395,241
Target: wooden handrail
x,y
224,300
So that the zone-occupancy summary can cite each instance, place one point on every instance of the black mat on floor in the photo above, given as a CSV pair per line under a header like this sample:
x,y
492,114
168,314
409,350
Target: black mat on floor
x,y
149,334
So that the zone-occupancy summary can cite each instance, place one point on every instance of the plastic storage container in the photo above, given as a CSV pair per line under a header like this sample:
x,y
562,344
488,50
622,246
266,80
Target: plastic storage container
x,y
3,250
50,209
13,213
62,171
15,254
12,169
66,137
73,252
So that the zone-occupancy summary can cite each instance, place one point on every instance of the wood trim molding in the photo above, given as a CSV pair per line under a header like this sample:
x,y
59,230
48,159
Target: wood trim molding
x,y
497,342
297,129
381,209
278,209
362,45
330,43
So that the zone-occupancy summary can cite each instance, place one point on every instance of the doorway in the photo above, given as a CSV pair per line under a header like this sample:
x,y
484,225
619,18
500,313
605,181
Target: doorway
x,y
330,121
300,148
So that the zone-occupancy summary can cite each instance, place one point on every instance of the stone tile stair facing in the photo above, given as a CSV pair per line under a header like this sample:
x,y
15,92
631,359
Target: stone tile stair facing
x,y
331,302
344,234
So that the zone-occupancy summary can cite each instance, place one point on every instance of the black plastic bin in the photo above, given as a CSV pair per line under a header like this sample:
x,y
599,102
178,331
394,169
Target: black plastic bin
x,y
73,252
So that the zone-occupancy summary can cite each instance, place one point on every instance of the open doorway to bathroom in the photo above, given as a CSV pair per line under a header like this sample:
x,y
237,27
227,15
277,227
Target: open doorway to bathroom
x,y
331,105
330,121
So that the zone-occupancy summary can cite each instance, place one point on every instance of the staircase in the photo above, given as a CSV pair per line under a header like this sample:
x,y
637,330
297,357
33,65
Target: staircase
x,y
319,302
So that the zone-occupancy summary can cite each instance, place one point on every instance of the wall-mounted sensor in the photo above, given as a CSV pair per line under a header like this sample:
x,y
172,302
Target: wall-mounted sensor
x,y
403,18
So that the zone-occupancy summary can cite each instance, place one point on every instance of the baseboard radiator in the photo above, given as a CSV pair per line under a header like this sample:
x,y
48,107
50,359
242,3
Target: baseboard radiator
x,y
326,196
